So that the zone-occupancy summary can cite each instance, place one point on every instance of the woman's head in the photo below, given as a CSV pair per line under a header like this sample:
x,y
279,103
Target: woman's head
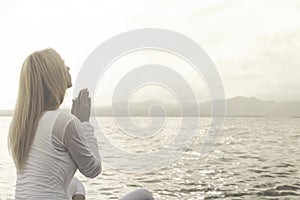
x,y
44,78
43,82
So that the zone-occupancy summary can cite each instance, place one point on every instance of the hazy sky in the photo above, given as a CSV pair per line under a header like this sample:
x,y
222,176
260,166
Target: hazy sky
x,y
255,44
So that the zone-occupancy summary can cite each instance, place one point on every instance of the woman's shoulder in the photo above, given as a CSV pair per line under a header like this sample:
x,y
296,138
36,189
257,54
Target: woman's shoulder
x,y
65,113
63,118
66,121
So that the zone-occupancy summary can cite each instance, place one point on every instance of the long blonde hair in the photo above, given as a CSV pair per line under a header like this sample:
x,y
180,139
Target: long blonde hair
x,y
42,87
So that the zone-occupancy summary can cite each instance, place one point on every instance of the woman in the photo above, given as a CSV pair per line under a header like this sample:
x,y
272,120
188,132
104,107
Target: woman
x,y
47,144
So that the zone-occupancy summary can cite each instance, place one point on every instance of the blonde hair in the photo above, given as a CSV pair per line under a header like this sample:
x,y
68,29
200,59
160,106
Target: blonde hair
x,y
42,87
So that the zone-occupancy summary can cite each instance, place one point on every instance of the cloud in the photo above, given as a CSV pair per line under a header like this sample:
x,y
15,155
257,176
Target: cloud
x,y
253,43
270,68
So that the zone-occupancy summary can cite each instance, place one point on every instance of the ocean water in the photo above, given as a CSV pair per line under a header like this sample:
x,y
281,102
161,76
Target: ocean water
x,y
254,158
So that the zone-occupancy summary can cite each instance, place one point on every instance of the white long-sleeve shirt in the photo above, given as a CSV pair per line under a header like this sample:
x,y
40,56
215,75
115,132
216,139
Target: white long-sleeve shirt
x,y
62,144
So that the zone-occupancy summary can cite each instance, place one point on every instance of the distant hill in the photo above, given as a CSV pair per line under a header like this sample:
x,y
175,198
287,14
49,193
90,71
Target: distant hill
x,y
6,112
240,106
237,106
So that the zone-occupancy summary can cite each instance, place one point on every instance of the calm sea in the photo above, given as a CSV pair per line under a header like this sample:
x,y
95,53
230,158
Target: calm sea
x,y
255,158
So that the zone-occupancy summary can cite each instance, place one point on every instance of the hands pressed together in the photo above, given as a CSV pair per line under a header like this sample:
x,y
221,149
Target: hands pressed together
x,y
81,106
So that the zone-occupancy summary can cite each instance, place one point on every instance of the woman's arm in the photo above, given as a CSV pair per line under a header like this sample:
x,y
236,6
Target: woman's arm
x,y
81,143
79,137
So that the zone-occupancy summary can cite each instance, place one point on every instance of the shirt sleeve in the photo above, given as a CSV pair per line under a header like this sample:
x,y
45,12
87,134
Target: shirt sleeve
x,y
81,143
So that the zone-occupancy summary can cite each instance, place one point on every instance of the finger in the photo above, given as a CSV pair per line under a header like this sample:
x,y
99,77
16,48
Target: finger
x,y
85,96
75,106
72,108
75,102
81,92
82,97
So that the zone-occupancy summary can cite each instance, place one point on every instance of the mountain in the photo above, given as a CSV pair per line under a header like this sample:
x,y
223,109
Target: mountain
x,y
138,109
244,106
237,107
6,112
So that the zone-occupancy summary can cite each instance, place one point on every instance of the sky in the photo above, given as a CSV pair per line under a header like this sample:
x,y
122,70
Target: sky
x,y
255,44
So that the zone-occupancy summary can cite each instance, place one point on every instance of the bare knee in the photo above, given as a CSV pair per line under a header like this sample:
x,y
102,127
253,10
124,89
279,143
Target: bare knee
x,y
140,194
78,197
147,195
